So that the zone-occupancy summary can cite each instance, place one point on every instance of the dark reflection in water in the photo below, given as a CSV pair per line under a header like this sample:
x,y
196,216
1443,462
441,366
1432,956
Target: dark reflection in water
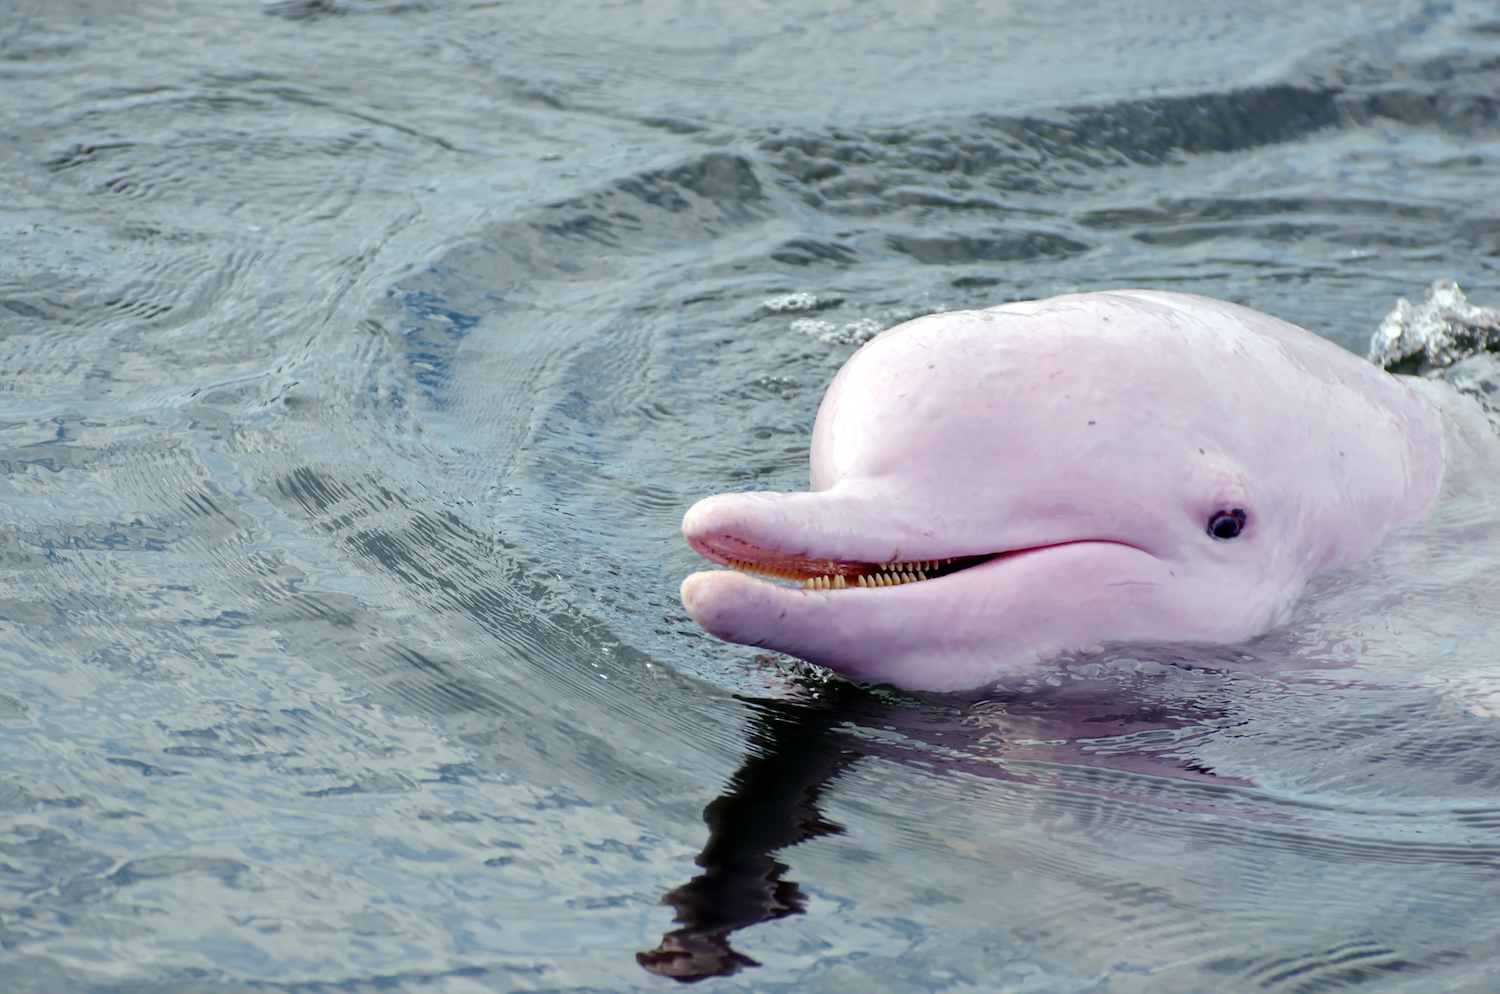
x,y
771,803
797,747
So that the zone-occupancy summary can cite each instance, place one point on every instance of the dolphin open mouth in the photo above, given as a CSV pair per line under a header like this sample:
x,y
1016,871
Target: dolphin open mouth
x,y
832,574
836,576
842,580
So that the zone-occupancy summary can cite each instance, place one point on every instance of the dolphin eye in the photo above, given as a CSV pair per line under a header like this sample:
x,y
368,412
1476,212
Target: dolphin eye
x,y
1226,524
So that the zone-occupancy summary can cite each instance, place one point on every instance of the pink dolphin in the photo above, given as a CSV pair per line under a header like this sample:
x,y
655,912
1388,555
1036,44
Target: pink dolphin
x,y
992,488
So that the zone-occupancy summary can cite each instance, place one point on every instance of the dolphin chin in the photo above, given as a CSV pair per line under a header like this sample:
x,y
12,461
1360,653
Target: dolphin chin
x,y
993,488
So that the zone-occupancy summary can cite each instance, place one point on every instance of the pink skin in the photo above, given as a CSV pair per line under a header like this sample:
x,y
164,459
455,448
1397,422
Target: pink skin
x,y
1088,439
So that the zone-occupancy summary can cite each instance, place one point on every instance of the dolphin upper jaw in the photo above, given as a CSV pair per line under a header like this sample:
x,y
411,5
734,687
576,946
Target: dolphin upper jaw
x,y
842,524
868,523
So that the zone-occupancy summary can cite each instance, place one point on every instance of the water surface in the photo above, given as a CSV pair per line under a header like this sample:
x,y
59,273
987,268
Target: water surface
x,y
361,358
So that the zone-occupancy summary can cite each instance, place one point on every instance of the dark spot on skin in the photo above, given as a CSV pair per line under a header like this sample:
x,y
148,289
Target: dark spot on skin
x,y
1093,422
1226,523
1202,453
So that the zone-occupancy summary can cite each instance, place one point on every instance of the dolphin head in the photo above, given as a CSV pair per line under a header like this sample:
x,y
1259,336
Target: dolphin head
x,y
992,488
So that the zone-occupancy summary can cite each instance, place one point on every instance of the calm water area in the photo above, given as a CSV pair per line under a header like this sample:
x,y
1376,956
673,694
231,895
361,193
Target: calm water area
x,y
358,359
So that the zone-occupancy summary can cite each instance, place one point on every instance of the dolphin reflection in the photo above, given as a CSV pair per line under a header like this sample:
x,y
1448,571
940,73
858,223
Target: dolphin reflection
x,y
771,803
797,748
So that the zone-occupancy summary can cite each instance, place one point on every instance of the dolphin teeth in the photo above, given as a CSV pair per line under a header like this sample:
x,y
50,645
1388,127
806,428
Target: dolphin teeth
x,y
834,575
916,566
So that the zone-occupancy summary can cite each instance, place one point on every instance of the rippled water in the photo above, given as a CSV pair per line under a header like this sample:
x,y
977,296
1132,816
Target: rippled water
x,y
361,357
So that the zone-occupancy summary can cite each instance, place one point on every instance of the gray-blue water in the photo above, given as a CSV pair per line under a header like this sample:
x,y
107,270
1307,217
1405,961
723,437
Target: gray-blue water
x,y
360,357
